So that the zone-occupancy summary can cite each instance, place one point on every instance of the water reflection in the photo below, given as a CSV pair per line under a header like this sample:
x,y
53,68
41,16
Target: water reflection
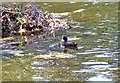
x,y
99,78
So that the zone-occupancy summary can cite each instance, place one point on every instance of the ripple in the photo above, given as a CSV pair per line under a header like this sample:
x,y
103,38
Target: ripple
x,y
100,26
100,47
53,45
98,40
73,38
72,2
1,42
59,15
113,41
103,55
95,63
98,14
36,63
106,3
79,10
94,2
100,67
95,49
38,68
80,47
55,55
40,63
37,78
107,73
89,33
113,69
42,51
12,51
84,71
45,3
104,21
99,78
86,4
84,53
105,33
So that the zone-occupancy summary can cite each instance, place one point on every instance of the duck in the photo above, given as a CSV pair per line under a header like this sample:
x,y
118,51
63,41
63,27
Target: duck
x,y
68,44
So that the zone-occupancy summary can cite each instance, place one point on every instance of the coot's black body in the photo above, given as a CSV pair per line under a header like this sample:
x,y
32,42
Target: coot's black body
x,y
68,44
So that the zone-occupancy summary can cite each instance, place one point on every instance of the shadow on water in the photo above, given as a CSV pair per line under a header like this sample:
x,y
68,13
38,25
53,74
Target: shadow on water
x,y
96,57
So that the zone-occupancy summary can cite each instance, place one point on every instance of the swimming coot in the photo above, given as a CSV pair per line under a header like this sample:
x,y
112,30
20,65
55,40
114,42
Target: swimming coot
x,y
68,44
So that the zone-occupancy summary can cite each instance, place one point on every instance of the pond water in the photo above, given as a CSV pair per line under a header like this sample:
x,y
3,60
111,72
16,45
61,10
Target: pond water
x,y
96,59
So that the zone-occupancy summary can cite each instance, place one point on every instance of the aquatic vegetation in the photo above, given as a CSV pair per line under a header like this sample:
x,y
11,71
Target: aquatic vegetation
x,y
30,21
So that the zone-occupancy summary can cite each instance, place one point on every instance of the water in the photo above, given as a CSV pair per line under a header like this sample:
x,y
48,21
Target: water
x,y
95,31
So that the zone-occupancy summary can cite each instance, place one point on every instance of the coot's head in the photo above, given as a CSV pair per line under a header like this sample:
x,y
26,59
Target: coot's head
x,y
65,38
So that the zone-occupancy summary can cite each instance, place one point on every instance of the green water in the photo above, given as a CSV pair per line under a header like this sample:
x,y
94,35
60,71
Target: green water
x,y
97,33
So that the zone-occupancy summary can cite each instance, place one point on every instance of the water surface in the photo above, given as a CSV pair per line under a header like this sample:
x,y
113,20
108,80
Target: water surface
x,y
95,31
